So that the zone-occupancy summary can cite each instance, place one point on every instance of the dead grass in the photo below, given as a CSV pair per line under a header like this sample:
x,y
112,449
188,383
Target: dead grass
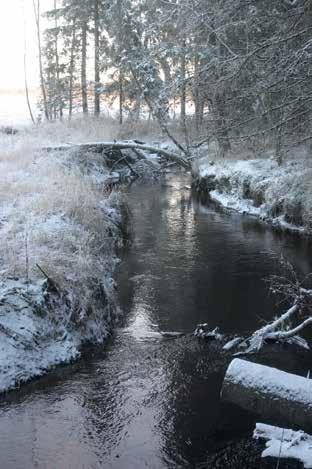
x,y
55,215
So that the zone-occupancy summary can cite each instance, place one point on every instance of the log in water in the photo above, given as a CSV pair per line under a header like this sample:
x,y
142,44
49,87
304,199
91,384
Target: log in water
x,y
149,401
271,393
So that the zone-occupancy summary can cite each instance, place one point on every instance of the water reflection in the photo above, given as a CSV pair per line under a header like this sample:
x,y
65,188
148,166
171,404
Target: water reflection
x,y
146,400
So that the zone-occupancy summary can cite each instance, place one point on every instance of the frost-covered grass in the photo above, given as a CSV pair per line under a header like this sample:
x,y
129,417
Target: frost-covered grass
x,y
85,129
56,220
279,194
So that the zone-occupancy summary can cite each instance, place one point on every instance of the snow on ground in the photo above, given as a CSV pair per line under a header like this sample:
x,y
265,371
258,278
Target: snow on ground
x,y
29,343
281,195
285,443
59,229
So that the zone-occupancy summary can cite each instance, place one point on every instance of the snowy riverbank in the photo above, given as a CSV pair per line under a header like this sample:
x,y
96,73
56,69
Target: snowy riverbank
x,y
281,195
60,226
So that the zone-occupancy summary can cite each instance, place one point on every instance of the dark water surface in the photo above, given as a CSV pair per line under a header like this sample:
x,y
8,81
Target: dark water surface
x,y
148,401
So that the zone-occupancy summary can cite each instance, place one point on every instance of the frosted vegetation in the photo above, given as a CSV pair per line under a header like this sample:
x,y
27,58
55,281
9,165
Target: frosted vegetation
x,y
261,187
59,229
217,79
229,85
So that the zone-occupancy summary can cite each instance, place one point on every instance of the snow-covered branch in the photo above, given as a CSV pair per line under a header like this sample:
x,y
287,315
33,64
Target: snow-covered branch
x,y
282,328
282,335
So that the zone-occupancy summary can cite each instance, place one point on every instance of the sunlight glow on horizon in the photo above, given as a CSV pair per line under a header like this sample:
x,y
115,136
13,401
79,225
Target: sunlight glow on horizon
x,y
16,17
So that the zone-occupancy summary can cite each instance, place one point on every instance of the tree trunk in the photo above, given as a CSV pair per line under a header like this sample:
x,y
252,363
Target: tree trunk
x,y
120,97
183,95
223,137
71,70
84,88
26,86
183,87
167,72
96,59
271,393
57,66
198,98
120,45
42,84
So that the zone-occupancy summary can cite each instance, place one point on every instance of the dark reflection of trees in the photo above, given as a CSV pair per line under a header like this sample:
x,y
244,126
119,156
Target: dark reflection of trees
x,y
193,421
195,267
208,267
195,424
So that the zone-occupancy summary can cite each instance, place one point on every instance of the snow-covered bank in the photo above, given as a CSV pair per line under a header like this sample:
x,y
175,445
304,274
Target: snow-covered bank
x,y
281,195
60,226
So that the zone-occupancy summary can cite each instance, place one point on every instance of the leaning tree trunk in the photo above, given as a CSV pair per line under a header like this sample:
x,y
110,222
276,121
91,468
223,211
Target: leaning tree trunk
x,y
159,116
271,393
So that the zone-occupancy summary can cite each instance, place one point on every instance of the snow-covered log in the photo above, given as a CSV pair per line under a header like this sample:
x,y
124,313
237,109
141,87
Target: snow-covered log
x,y
285,443
269,392
122,145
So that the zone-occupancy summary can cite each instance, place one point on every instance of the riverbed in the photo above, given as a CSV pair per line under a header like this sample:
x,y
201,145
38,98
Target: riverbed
x,y
146,400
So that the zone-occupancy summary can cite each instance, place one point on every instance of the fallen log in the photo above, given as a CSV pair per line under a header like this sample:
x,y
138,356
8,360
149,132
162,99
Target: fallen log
x,y
269,392
105,146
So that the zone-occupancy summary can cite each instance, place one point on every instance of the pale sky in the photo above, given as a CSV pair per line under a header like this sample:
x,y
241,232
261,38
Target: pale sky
x,y
12,14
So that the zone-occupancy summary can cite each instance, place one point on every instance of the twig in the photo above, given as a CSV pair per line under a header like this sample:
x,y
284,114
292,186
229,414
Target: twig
x,y
52,282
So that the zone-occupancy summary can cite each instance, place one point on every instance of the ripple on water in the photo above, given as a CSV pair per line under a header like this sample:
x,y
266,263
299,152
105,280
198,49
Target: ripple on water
x,y
146,400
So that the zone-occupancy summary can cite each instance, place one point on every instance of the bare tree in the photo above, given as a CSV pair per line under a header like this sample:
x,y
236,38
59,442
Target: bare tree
x,y
36,7
72,68
84,85
96,15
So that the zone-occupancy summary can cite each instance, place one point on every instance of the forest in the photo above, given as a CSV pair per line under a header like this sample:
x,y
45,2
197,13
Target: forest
x,y
155,234
235,73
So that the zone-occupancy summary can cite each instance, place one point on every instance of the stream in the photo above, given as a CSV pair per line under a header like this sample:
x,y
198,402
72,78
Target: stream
x,y
146,400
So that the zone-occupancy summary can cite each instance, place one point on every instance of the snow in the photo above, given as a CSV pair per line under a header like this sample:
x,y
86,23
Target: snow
x,y
279,194
29,344
271,381
234,202
233,343
202,331
54,214
285,443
